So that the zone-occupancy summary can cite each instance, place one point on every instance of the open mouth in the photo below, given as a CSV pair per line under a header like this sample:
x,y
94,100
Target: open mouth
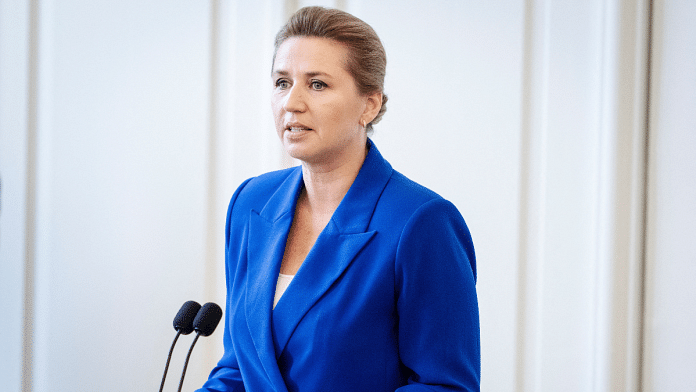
x,y
297,129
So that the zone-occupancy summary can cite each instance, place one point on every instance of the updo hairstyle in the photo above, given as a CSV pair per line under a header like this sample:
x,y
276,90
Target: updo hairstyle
x,y
367,60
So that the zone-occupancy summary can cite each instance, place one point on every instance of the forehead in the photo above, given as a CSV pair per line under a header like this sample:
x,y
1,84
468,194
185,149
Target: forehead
x,y
310,54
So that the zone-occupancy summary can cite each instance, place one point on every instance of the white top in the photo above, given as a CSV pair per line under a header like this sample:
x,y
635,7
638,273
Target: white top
x,y
281,286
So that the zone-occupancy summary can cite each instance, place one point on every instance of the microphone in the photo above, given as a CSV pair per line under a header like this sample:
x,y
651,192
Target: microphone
x,y
183,324
207,319
204,324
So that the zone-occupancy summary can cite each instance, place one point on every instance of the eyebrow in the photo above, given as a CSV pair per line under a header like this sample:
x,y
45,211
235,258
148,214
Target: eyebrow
x,y
306,74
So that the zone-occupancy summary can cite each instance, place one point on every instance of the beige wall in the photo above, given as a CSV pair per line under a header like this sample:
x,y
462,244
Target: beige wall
x,y
126,126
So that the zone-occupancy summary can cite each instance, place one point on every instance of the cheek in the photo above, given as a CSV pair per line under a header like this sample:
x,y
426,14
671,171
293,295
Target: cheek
x,y
348,115
343,113
276,108
274,105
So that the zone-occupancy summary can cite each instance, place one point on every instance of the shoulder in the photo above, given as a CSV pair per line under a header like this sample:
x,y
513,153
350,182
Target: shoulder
x,y
403,197
423,222
404,204
403,184
419,204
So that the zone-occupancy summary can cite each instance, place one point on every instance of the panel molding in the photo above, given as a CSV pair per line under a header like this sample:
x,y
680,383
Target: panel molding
x,y
612,103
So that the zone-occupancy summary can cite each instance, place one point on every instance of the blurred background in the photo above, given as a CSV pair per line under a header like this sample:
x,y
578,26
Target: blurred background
x,y
569,127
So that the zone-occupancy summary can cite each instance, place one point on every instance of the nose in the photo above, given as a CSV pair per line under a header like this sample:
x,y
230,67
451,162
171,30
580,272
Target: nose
x,y
295,100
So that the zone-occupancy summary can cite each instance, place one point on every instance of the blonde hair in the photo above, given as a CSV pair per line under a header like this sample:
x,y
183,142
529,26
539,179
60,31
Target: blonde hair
x,y
367,61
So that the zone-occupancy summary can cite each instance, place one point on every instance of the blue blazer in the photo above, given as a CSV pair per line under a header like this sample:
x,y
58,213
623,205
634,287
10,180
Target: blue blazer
x,y
384,301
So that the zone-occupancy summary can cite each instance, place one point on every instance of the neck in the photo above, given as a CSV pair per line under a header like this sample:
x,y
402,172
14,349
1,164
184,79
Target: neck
x,y
326,185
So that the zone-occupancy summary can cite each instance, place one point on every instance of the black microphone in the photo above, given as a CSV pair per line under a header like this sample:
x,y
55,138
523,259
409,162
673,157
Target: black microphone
x,y
204,324
183,324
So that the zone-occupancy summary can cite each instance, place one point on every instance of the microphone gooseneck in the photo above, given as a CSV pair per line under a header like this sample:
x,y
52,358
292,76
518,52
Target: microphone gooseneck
x,y
204,324
183,324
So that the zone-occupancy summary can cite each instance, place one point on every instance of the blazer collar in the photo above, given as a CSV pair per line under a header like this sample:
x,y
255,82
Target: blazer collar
x,y
355,210
344,236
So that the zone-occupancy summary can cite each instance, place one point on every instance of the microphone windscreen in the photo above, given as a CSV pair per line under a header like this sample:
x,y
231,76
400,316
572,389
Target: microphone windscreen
x,y
183,322
207,319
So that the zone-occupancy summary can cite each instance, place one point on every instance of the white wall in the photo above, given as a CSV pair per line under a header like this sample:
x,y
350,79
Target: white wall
x,y
117,194
671,315
125,127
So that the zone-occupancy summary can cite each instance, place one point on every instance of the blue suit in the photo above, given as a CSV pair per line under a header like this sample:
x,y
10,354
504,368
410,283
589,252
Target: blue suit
x,y
384,301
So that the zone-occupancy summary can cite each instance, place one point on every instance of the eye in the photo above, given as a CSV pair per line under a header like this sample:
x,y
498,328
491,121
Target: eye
x,y
282,84
318,85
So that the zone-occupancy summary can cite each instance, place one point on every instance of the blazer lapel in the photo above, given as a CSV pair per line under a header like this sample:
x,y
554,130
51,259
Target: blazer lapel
x,y
338,244
268,232
330,256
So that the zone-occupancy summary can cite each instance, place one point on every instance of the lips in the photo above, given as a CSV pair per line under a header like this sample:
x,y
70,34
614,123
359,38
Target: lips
x,y
296,127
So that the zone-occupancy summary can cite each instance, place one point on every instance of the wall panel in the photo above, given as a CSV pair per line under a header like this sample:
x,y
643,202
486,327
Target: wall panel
x,y
670,356
121,186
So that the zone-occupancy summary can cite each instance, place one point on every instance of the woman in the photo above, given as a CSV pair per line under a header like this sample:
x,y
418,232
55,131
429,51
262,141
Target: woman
x,y
382,272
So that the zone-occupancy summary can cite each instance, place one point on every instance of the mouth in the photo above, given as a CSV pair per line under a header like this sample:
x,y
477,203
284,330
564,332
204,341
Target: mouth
x,y
297,128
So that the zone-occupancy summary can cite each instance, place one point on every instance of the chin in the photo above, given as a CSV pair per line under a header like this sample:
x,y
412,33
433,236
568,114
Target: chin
x,y
297,152
306,155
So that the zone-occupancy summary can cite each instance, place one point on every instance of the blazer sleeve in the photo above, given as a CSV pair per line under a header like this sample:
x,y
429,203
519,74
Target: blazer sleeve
x,y
226,377
438,320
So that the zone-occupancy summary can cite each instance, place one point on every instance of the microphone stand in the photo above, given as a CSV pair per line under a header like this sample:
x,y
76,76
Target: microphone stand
x,y
169,358
181,382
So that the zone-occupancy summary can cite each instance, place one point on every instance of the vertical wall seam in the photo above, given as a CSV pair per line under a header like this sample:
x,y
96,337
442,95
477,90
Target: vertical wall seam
x,y
523,247
618,325
211,262
532,187
212,152
540,221
27,383
599,364
644,218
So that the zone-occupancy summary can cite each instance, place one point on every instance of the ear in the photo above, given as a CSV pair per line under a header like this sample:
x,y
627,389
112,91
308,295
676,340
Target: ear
x,y
372,107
